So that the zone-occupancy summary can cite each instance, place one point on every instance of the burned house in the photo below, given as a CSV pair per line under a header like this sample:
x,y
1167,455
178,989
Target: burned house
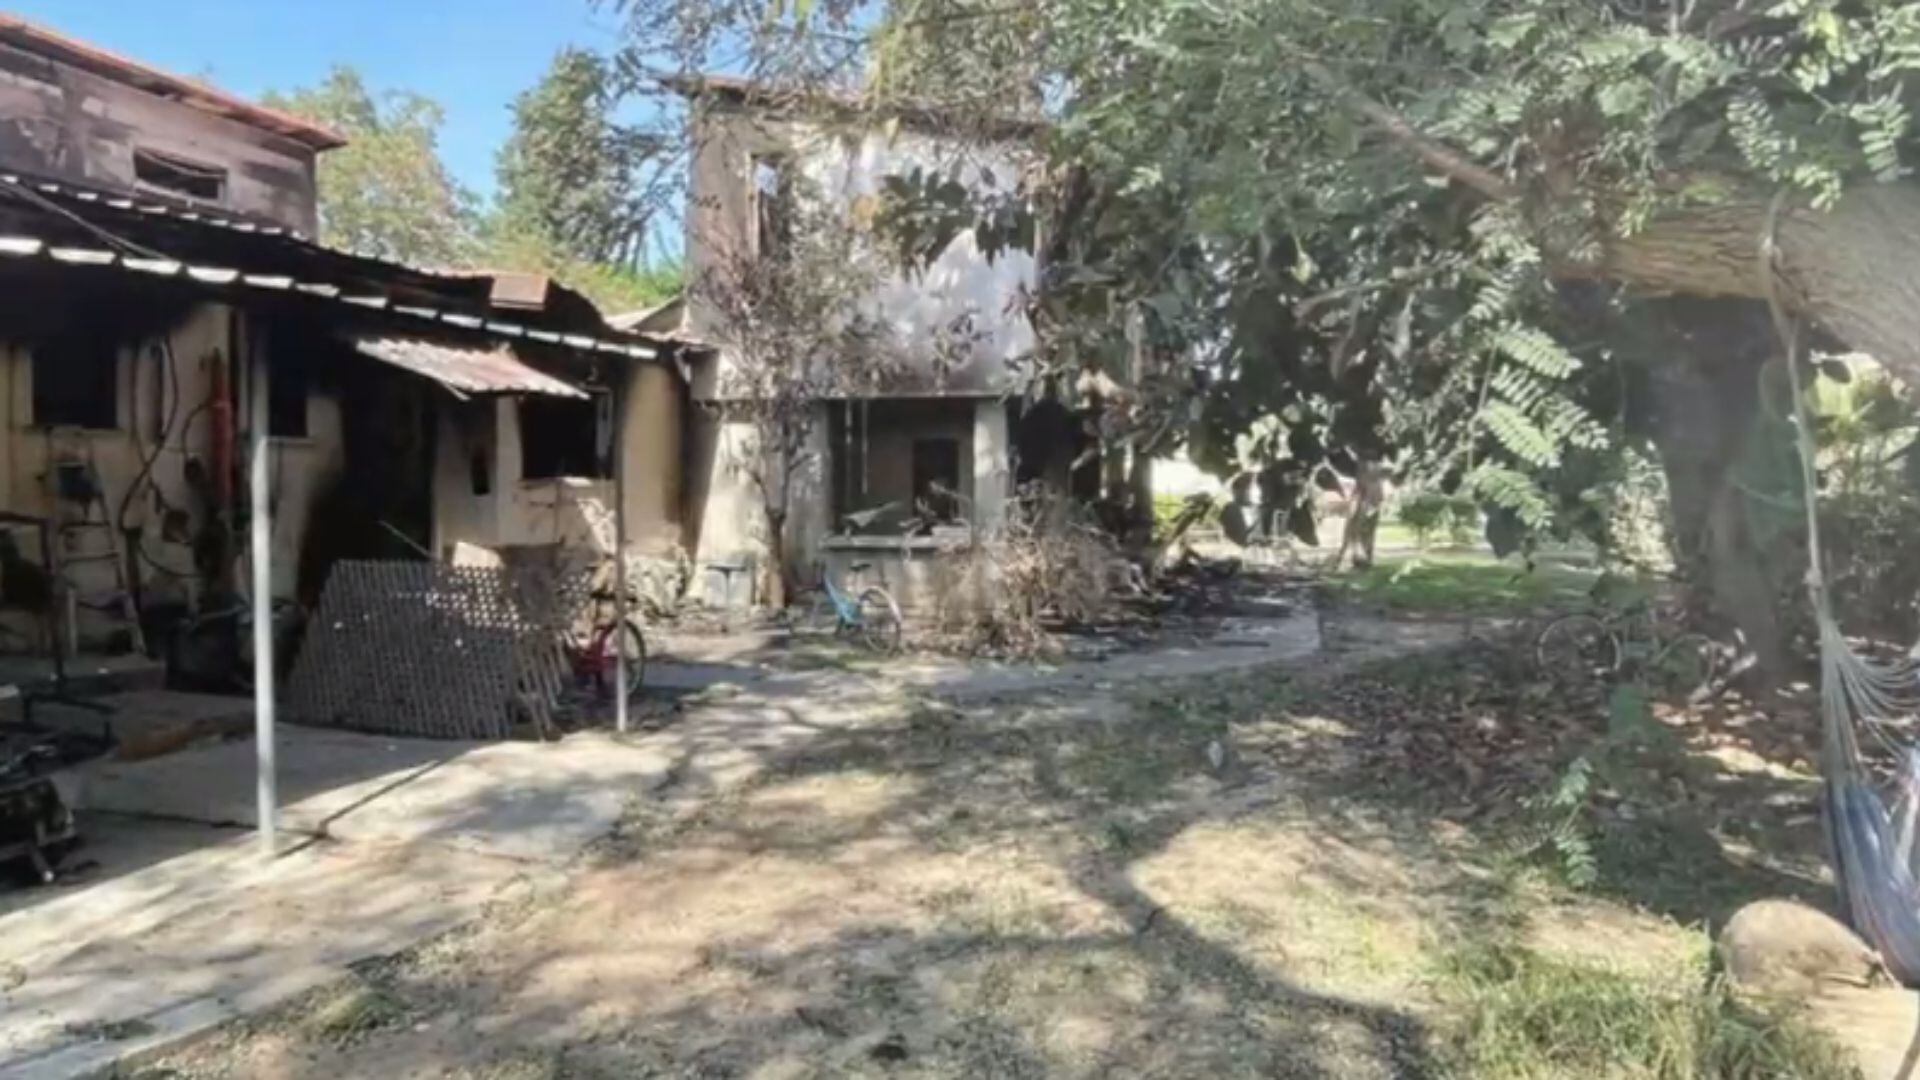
x,y
164,307
942,448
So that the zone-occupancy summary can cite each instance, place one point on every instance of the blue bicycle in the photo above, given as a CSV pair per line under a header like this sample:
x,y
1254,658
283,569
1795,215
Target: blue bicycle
x,y
869,615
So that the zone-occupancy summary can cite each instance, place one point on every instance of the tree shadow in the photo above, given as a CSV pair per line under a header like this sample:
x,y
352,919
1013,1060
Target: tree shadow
x,y
1059,941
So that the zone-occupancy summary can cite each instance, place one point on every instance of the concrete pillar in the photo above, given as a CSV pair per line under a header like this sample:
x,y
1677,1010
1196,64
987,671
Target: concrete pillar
x,y
992,462
506,469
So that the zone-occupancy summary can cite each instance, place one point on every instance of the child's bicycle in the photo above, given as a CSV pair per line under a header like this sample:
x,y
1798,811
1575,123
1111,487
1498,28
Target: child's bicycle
x,y
1639,639
868,614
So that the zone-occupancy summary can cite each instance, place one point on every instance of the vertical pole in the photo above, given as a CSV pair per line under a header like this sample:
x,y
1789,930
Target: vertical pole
x,y
265,807
619,441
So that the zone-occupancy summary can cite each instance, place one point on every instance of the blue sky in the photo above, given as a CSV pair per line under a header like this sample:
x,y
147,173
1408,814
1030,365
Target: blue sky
x,y
472,56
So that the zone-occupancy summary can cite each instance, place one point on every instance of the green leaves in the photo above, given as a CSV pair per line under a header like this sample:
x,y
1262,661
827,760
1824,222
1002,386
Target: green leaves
x,y
569,173
1535,350
386,193
1520,435
1512,497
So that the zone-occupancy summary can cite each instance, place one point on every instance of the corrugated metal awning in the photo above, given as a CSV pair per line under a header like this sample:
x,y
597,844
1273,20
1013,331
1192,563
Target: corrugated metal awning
x,y
464,370
225,274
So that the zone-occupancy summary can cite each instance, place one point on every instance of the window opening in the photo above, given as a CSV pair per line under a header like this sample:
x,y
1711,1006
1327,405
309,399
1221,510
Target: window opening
x,y
180,176
75,378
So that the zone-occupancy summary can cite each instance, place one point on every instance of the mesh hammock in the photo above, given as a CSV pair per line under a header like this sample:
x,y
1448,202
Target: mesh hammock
x,y
1872,827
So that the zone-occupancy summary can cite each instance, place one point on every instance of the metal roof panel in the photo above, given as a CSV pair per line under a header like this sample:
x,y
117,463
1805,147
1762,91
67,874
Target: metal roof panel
x,y
464,370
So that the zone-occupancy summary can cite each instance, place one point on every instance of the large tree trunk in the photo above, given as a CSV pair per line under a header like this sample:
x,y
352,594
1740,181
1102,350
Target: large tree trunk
x,y
1850,270
774,580
1363,516
1707,412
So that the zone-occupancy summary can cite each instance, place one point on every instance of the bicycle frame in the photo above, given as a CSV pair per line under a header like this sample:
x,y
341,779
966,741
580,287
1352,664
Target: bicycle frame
x,y
846,608
595,657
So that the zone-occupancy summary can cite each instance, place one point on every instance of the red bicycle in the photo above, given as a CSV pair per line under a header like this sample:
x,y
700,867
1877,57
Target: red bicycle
x,y
591,654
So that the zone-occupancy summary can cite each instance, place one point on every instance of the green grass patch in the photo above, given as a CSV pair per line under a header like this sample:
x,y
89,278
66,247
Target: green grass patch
x,y
354,1009
1472,582
1518,1014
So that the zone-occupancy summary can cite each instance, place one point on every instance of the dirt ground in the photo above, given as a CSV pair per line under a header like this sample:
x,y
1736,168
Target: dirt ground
x,y
1238,875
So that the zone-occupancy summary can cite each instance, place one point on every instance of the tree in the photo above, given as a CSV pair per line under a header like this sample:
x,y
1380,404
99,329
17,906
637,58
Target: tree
x,y
569,172
796,330
386,193
1372,213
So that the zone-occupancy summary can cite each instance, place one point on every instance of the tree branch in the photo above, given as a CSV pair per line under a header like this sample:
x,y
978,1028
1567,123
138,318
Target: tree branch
x,y
1307,306
1437,155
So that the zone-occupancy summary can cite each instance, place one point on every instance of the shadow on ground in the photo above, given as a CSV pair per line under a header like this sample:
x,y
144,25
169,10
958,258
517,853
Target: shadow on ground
x,y
1246,875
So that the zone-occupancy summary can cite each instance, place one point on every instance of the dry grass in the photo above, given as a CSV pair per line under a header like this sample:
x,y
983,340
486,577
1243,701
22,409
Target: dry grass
x,y
1066,888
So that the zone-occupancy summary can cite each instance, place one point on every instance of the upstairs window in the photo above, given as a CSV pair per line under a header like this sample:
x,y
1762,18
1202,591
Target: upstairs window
x,y
179,176
76,378
772,205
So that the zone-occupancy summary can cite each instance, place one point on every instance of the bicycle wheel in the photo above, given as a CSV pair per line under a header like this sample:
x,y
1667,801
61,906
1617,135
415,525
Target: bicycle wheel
x,y
1577,645
1685,666
880,623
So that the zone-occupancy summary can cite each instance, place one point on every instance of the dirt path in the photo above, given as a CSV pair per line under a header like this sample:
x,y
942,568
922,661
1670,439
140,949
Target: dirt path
x,y
1148,877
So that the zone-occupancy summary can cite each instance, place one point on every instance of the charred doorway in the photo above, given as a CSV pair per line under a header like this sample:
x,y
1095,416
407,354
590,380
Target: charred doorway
x,y
379,505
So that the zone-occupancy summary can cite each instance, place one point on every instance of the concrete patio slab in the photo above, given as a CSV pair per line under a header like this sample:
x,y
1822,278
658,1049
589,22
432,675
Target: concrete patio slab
x,y
519,800
169,921
180,927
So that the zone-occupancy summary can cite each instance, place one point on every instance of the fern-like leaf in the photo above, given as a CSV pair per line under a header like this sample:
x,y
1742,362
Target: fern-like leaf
x,y
1519,435
1538,351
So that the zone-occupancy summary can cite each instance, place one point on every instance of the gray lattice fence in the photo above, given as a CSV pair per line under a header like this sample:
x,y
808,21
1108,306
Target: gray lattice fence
x,y
416,648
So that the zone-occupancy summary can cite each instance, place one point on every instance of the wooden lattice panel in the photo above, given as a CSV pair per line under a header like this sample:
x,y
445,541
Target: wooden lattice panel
x,y
416,648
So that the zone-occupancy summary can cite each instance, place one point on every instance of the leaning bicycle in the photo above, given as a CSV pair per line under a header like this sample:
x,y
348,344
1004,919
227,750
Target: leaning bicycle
x,y
868,615
1645,641
595,646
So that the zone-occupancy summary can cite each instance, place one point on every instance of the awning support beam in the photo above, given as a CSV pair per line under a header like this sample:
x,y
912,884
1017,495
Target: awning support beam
x,y
623,375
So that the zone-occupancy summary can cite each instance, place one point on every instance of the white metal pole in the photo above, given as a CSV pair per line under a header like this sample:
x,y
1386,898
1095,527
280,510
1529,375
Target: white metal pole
x,y
266,804
619,441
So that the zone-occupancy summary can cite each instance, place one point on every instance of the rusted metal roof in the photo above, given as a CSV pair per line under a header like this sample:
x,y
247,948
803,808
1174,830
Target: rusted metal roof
x,y
464,370
114,213
42,41
22,248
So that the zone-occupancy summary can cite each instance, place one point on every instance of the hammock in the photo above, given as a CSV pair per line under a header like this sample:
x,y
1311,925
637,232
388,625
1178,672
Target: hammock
x,y
1871,838
1871,835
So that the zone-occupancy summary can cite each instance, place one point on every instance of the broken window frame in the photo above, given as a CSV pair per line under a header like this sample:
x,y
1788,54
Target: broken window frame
x,y
770,187
158,170
937,499
869,439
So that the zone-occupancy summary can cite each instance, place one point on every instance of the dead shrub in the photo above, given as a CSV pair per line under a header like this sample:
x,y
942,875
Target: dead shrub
x,y
1046,566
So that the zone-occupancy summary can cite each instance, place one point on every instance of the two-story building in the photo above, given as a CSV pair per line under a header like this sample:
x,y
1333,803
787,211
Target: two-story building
x,y
953,423
156,252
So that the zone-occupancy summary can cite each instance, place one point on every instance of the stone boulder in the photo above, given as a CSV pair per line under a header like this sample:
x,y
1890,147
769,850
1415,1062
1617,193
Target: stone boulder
x,y
1780,950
